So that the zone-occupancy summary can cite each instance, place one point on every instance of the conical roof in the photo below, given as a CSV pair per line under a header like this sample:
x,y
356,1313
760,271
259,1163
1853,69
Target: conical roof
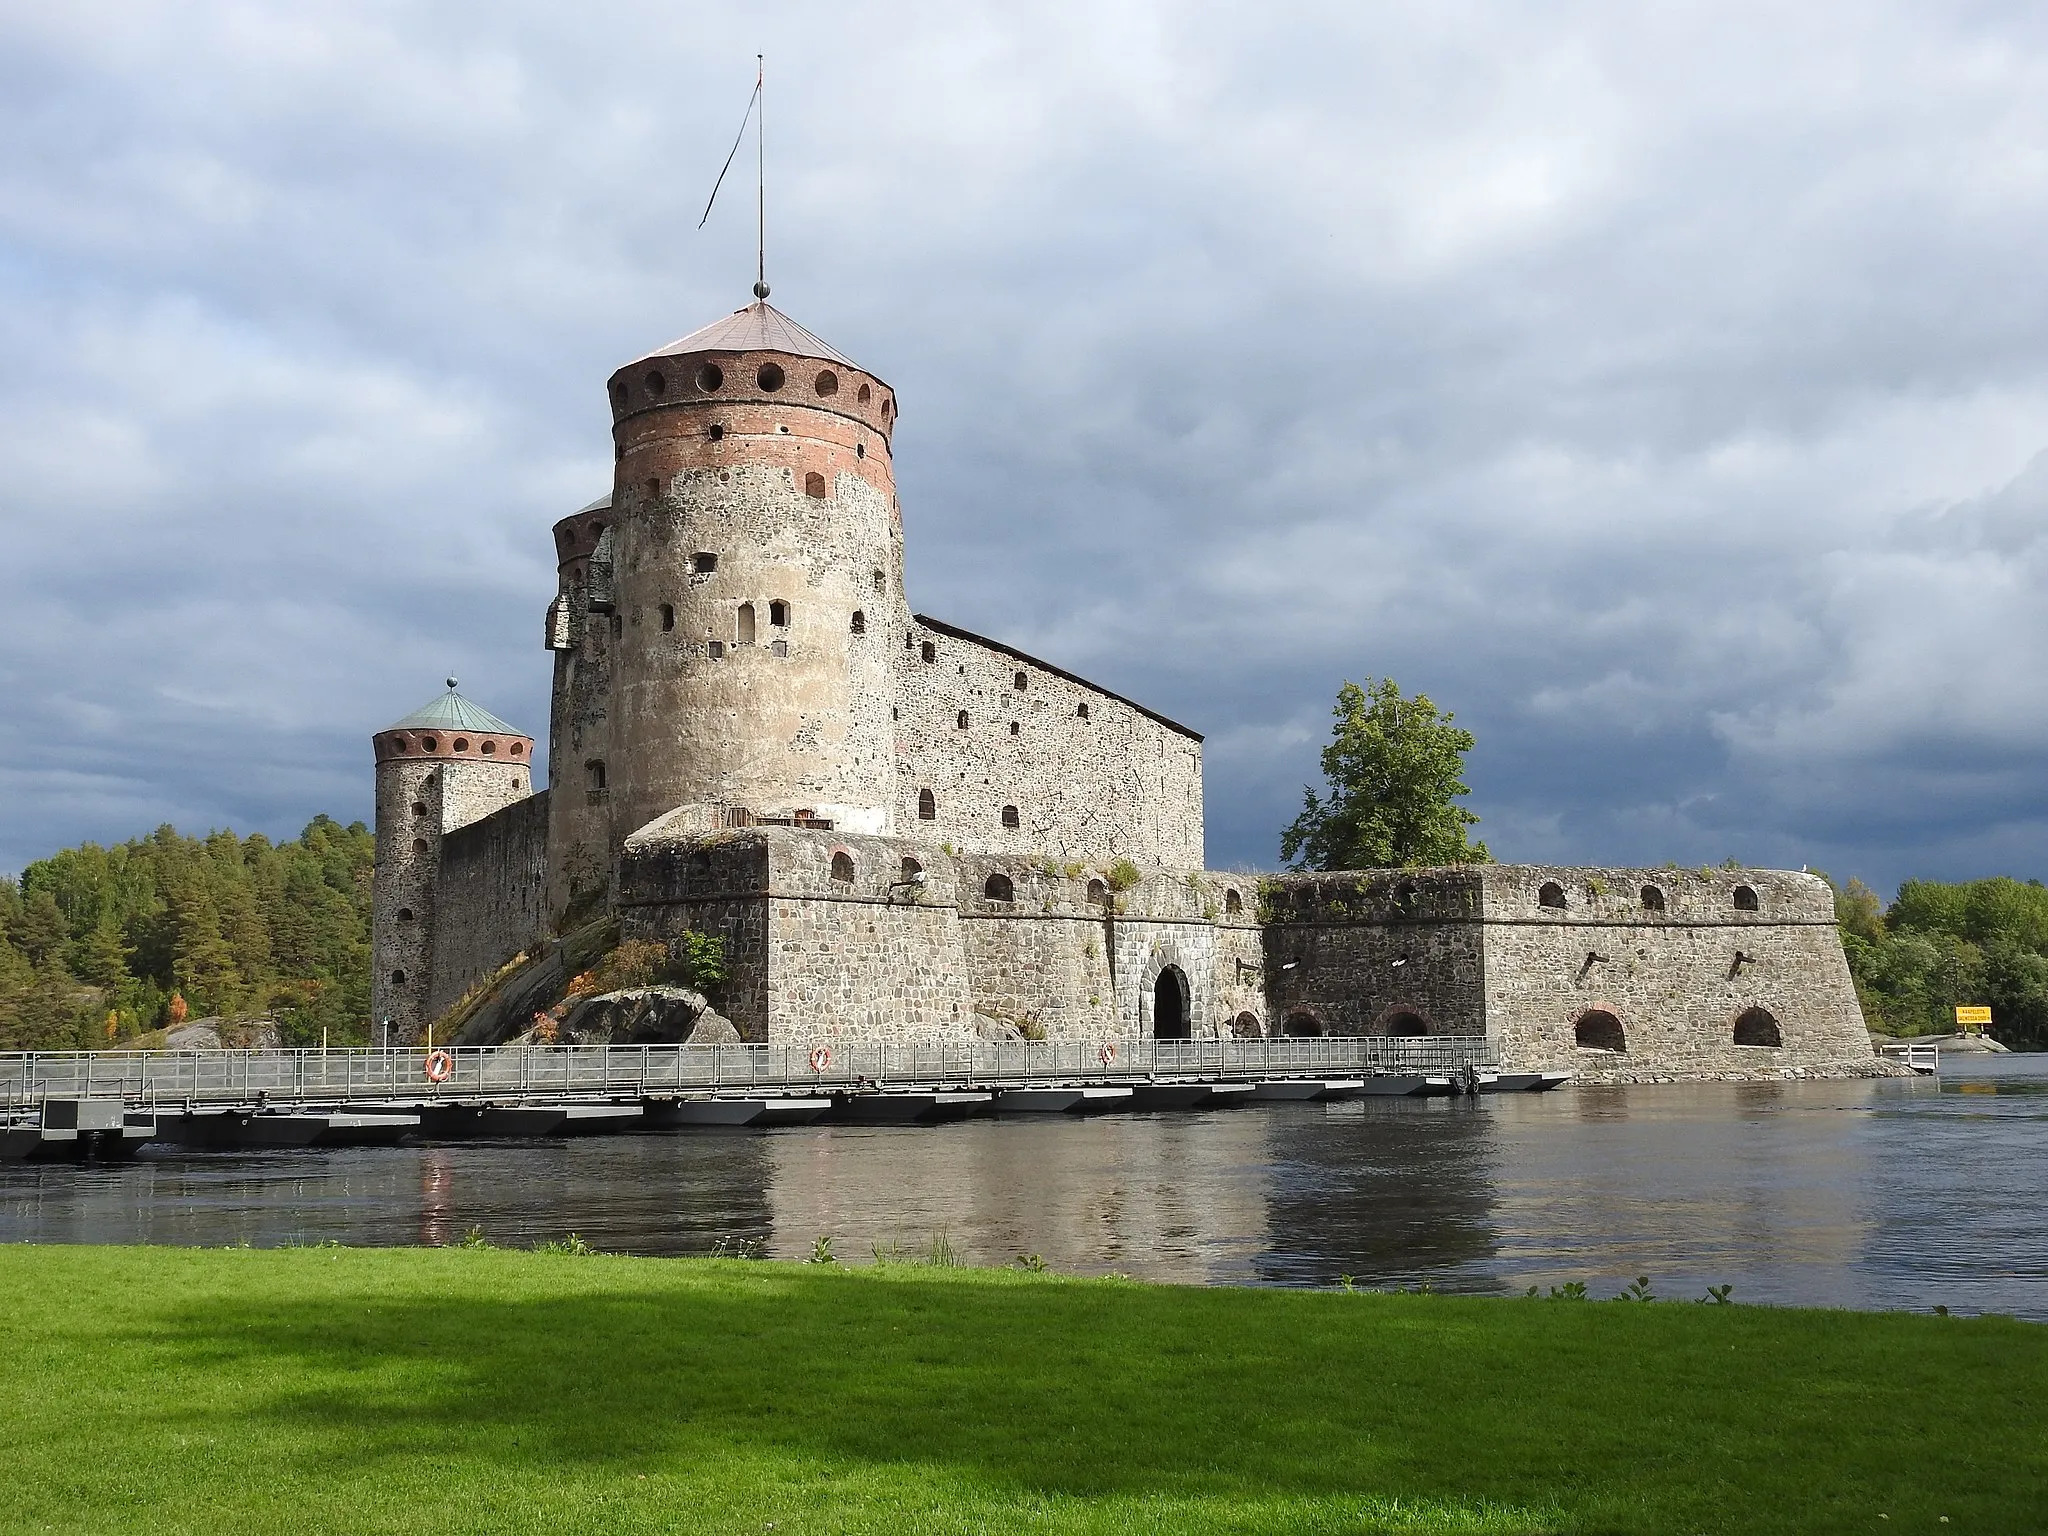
x,y
760,327
452,712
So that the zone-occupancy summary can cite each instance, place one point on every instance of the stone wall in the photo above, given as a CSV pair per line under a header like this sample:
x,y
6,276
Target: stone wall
x,y
490,897
1086,774
831,940
1613,974
580,837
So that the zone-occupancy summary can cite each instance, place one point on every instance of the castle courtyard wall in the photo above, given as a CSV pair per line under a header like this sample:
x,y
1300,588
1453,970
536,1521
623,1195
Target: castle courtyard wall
x,y
490,897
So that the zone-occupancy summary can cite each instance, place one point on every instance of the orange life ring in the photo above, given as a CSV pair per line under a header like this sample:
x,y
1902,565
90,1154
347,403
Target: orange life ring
x,y
821,1058
439,1066
1107,1054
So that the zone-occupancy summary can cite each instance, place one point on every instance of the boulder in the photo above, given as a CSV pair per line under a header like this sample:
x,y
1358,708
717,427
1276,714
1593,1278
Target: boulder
x,y
645,1016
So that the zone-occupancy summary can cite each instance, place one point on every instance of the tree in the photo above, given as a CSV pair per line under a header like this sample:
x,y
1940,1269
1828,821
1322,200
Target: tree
x,y
1394,769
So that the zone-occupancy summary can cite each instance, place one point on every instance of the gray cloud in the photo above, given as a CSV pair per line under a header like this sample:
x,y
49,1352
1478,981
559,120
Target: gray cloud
x,y
1667,394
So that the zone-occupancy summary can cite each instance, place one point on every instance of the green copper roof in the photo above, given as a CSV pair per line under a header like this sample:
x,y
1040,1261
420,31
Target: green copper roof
x,y
452,712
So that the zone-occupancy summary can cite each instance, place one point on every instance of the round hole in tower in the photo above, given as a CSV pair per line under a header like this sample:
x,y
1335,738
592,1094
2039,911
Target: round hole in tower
x,y
430,743
827,383
657,383
490,749
770,377
710,377
517,749
419,845
718,431
462,743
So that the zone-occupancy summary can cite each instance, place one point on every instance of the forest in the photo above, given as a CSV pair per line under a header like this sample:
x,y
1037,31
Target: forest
x,y
102,946
99,946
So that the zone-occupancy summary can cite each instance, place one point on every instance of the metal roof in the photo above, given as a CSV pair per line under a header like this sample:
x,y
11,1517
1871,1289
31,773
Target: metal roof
x,y
760,327
452,712
596,506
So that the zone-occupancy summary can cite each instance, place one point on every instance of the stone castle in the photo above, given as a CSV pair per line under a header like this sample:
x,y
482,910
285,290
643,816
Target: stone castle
x,y
903,830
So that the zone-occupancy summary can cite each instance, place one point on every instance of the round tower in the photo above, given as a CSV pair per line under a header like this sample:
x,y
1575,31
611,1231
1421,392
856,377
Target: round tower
x,y
443,766
753,561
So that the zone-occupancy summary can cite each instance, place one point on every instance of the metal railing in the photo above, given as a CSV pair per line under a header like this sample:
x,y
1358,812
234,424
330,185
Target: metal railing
x,y
499,1074
1923,1058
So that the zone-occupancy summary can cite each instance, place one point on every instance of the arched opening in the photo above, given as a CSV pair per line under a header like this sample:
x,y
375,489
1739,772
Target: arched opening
x,y
1020,682
778,614
1407,1023
1233,903
419,845
746,624
1301,1024
1653,899
911,870
668,617
1169,1006
490,749
398,978
1550,894
814,486
1757,1026
1745,899
842,869
1098,893
1010,817
518,750
405,914
1246,1026
860,622
1599,1030
998,888
928,651
1082,711
927,806
865,392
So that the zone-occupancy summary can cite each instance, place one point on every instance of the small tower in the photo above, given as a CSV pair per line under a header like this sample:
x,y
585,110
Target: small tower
x,y
443,766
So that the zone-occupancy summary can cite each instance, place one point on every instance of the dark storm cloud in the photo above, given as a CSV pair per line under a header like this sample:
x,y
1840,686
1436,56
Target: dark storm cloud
x,y
1665,394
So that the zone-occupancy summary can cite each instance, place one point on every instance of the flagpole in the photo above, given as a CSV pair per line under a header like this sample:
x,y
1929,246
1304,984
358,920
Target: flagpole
x,y
761,180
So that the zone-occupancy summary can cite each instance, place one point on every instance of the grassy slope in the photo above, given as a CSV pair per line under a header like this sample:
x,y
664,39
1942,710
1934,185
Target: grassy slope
x,y
166,1390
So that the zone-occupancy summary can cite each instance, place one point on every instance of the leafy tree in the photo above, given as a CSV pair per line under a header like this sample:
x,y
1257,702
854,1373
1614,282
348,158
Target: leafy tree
x,y
1394,769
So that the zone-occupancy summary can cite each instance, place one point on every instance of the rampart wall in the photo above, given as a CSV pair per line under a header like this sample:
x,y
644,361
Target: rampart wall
x,y
490,898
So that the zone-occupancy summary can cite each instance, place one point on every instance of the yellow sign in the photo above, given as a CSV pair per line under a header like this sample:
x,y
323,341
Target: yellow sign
x,y
1973,1015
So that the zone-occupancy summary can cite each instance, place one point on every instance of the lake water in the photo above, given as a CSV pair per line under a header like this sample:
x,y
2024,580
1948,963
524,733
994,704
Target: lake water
x,y
1893,1193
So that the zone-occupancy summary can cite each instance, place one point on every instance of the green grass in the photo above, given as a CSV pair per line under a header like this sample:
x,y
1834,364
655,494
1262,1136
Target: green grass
x,y
162,1390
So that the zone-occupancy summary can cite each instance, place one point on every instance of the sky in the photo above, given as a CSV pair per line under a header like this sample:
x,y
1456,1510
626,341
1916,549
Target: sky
x,y
1663,390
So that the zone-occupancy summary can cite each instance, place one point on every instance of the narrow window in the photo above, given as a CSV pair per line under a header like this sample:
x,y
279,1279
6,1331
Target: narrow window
x,y
1020,682
405,914
1745,898
1653,899
1550,894
770,377
1082,711
928,650
1014,727
842,869
960,720
814,485
594,773
618,393
703,563
746,624
668,617
860,622
653,490
927,807
1010,817
881,582
862,397
998,888
778,615
1233,903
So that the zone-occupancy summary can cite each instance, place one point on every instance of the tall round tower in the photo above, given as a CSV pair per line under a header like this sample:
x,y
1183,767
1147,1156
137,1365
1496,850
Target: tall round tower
x,y
443,766
755,574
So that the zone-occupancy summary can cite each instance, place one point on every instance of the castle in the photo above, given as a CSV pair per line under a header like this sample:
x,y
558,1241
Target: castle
x,y
903,830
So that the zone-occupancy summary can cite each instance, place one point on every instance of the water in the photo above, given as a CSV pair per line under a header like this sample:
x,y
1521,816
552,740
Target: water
x,y
1894,1193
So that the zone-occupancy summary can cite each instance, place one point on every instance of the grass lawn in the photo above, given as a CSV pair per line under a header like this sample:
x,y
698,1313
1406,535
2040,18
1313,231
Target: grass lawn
x,y
311,1390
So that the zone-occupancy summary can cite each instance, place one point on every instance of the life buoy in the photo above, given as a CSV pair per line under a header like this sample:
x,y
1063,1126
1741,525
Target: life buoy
x,y
439,1066
821,1058
1107,1053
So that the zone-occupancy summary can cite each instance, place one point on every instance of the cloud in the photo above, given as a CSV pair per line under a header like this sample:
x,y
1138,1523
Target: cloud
x,y
1661,391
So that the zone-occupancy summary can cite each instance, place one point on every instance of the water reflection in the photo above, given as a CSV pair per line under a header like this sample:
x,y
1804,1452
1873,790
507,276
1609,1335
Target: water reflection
x,y
1894,1193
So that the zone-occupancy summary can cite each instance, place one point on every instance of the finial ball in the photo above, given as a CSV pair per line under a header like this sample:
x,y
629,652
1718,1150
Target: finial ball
x,y
760,290
451,682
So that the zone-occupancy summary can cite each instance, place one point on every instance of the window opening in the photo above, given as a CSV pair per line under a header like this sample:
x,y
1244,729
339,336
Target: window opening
x,y
1232,903
710,377
778,614
1745,898
930,651
1550,894
1011,818
842,869
703,563
405,914
718,431
826,383
1020,682
746,624
770,377
1082,711
814,486
1653,899
594,773
1098,892
1301,1023
778,647
668,616
860,622
927,807
960,720
1014,727
657,385
1246,1026
717,650
1756,1026
998,888
1599,1030
1169,1007
1406,1023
